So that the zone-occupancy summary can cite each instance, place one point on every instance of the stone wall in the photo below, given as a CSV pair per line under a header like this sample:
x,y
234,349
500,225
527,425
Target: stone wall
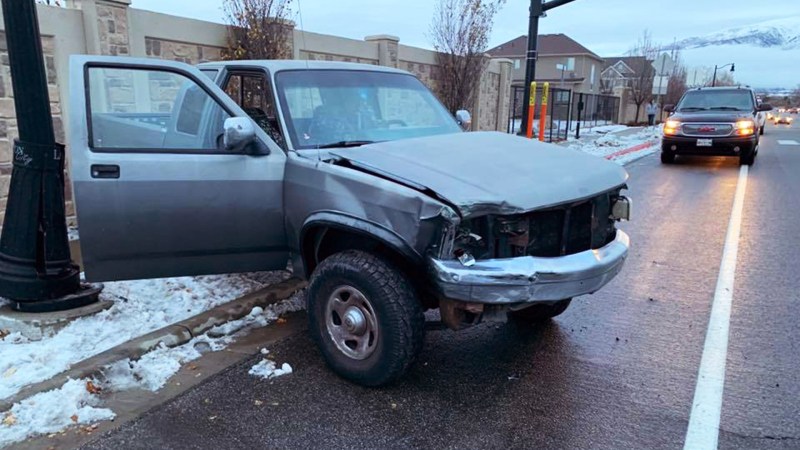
x,y
181,51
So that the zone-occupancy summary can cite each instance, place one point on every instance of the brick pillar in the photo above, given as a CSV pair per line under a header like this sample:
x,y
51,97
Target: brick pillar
x,y
106,26
387,49
504,93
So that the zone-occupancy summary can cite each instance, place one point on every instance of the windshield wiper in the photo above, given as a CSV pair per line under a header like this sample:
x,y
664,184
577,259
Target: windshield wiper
x,y
693,108
345,144
725,108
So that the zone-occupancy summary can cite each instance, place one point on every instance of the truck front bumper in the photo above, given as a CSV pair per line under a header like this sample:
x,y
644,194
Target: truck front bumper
x,y
530,279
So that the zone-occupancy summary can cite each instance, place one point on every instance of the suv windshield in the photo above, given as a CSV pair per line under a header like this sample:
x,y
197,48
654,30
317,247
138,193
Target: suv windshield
x,y
717,100
332,108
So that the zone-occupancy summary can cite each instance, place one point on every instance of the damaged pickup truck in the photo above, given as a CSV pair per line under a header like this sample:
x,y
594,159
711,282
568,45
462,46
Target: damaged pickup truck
x,y
355,173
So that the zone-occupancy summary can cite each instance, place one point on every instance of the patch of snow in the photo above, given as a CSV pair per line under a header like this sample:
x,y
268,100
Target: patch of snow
x,y
51,411
609,144
267,369
140,307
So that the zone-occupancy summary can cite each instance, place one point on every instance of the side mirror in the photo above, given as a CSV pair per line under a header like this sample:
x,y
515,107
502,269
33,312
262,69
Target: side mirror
x,y
669,108
240,132
464,119
765,107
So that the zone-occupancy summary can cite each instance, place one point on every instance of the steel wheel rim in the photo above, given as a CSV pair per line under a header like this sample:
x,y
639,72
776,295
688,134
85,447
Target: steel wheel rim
x,y
351,322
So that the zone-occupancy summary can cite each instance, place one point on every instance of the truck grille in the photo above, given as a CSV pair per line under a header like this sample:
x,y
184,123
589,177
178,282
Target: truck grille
x,y
564,230
707,129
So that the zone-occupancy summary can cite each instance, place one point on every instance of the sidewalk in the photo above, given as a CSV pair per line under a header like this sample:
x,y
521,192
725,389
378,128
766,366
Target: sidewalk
x,y
617,143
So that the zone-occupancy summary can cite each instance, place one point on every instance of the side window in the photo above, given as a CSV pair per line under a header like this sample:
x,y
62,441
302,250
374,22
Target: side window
x,y
252,92
152,110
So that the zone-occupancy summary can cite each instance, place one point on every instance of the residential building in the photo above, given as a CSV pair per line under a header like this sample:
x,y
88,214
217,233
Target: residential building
x,y
561,60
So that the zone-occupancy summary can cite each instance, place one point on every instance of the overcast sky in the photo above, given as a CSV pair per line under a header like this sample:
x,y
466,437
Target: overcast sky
x,y
607,27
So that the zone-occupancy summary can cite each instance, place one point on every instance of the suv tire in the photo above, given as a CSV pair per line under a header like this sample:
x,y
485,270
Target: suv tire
x,y
365,317
667,157
540,313
747,158
761,131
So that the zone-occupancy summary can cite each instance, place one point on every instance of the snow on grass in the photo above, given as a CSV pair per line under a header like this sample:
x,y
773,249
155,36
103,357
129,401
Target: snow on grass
x,y
75,403
52,411
140,307
614,141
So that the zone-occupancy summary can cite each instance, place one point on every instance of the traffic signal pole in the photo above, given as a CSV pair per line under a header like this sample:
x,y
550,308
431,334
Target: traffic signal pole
x,y
537,10
36,270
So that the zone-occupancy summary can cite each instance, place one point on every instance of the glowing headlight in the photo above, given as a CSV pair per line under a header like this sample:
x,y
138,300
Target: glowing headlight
x,y
671,127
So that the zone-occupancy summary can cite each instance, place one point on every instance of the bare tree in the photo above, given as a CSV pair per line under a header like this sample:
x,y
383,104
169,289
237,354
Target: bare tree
x,y
258,29
796,95
641,82
676,86
724,78
460,34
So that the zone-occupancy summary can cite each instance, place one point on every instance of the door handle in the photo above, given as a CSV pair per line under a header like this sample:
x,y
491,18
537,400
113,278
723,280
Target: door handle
x,y
105,171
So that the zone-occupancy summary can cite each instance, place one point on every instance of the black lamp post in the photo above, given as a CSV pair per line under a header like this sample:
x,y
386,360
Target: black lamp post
x,y
714,80
36,270
537,9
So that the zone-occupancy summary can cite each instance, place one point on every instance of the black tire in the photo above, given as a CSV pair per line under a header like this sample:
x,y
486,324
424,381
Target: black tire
x,y
761,131
540,313
747,158
394,307
667,157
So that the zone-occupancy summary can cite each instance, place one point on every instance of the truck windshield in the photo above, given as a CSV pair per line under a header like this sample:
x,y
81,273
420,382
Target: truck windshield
x,y
717,100
331,108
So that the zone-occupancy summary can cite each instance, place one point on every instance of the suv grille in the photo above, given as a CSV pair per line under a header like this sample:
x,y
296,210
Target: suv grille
x,y
707,129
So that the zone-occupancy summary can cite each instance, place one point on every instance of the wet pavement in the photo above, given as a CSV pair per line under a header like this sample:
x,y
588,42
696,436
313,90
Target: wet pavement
x,y
617,370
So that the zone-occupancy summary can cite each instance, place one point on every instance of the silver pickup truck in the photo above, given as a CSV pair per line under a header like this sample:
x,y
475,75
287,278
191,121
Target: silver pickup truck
x,y
354,173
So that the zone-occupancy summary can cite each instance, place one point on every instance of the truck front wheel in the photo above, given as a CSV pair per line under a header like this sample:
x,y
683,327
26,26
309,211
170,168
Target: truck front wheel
x,y
541,312
365,317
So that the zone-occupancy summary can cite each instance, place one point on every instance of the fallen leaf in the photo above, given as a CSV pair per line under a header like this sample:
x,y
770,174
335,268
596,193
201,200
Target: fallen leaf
x,y
9,419
4,333
281,321
198,375
394,405
258,402
207,401
192,366
10,372
92,389
74,418
212,418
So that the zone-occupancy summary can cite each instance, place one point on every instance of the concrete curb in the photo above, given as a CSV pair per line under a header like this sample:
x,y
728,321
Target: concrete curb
x,y
172,336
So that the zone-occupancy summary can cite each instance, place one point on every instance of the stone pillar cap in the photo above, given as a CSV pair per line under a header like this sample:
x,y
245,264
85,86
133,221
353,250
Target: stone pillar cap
x,y
382,37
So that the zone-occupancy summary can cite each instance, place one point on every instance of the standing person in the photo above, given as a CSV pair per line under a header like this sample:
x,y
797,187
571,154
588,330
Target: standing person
x,y
652,110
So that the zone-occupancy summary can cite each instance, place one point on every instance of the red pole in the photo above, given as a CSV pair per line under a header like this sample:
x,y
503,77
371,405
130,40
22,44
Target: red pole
x,y
543,115
531,107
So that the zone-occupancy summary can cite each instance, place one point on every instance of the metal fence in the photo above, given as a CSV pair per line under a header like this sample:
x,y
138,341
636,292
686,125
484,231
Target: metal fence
x,y
568,113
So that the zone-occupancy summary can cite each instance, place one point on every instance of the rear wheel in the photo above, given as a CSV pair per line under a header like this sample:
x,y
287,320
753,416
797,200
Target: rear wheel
x,y
761,131
667,157
365,317
541,312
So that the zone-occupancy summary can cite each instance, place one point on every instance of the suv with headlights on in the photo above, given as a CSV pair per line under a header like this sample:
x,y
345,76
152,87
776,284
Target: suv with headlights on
x,y
714,121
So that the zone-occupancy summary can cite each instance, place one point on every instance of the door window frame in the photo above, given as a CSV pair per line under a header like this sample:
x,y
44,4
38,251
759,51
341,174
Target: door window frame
x,y
152,68
230,70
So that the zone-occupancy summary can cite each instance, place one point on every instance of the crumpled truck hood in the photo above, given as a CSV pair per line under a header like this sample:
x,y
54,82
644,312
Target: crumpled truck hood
x,y
489,172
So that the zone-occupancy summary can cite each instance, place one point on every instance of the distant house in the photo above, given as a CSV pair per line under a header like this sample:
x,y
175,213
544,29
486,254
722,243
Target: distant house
x,y
561,60
629,77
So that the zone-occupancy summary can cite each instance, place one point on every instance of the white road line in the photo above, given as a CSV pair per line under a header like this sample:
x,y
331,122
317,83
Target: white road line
x,y
787,142
703,432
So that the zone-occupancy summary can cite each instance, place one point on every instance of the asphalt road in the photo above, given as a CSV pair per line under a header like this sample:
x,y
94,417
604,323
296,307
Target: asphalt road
x,y
618,370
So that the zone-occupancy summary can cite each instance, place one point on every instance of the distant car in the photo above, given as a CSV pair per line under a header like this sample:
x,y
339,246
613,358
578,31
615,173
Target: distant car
x,y
794,110
715,121
783,119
